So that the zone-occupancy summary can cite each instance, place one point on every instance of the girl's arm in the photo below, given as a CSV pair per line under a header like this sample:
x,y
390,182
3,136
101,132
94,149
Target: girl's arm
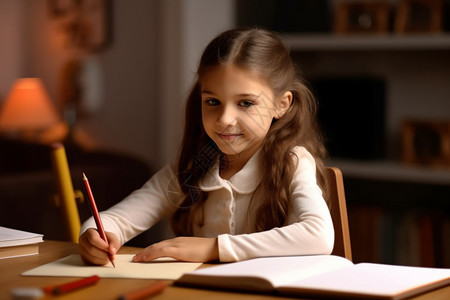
x,y
141,209
309,230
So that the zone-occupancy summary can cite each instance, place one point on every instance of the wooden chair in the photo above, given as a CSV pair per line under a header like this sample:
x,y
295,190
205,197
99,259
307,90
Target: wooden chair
x,y
338,210
67,196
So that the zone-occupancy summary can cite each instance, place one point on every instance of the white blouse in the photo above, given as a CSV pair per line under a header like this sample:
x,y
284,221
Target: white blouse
x,y
309,228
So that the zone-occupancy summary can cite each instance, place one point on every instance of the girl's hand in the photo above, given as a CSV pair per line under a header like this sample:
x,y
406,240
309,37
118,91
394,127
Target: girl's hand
x,y
94,250
194,249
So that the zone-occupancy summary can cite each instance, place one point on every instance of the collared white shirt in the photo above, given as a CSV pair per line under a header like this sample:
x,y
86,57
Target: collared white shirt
x,y
226,214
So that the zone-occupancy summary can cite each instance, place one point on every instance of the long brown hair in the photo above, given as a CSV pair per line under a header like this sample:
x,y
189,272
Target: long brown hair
x,y
262,52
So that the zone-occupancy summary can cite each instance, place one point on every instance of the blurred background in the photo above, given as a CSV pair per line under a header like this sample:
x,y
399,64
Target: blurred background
x,y
136,75
114,76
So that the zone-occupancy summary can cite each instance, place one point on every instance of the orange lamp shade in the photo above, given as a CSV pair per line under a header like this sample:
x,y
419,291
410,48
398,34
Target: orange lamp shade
x,y
27,107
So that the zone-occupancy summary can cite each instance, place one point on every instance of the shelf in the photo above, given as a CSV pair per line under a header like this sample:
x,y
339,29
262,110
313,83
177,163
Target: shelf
x,y
329,42
392,171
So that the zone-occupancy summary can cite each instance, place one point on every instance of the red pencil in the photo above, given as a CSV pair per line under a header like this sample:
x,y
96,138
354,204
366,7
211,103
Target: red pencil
x,y
145,292
96,215
71,286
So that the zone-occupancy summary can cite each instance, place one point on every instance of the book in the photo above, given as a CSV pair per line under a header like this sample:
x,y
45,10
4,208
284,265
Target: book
x,y
318,276
72,266
16,243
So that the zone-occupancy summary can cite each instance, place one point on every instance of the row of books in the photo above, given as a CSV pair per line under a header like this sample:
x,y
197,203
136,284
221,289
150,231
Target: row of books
x,y
410,237
16,243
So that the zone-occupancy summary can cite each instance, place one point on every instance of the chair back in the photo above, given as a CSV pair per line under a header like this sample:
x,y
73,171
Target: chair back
x,y
338,210
66,198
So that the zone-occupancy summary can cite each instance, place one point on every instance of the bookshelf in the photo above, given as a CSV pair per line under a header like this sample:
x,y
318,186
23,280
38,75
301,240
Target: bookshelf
x,y
397,208
384,55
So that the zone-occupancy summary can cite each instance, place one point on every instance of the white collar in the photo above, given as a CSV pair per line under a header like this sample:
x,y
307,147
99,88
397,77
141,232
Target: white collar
x,y
244,182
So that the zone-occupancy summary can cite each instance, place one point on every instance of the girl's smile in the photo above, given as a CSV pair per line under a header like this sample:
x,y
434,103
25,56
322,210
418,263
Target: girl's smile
x,y
229,136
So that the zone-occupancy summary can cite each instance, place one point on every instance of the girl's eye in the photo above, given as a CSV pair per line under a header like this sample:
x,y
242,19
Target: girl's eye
x,y
246,103
212,102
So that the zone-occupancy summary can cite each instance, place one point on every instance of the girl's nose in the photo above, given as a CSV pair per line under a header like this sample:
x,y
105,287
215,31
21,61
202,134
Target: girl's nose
x,y
227,116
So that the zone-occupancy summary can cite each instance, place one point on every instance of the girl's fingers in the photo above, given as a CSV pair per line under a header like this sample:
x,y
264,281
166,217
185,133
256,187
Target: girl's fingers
x,y
95,240
93,255
182,248
150,253
94,250
114,243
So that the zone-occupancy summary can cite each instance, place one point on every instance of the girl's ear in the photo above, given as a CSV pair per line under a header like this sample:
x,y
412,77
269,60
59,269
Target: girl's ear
x,y
283,104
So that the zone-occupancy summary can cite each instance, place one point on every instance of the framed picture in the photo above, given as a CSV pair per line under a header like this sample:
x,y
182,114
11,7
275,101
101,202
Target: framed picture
x,y
59,8
361,17
426,142
86,23
419,16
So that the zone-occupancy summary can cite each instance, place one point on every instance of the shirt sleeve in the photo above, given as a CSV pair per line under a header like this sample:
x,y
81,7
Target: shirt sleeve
x,y
309,230
141,209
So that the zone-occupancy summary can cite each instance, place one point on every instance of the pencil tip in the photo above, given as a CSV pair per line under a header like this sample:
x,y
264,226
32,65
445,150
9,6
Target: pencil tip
x,y
84,175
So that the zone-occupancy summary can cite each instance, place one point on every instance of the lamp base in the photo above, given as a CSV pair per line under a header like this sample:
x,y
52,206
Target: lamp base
x,y
44,136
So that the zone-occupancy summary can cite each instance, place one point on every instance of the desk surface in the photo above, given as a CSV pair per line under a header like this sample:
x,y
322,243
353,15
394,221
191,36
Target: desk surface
x,y
112,288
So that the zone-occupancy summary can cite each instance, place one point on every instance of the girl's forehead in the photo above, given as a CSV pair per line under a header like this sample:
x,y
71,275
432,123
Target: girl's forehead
x,y
232,74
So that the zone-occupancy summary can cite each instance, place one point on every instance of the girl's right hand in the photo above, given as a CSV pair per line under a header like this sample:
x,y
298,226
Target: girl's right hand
x,y
94,250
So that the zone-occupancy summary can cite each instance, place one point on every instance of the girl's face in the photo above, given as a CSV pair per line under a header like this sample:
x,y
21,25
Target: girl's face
x,y
237,109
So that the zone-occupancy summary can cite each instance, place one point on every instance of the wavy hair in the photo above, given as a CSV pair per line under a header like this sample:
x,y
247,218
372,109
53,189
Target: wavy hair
x,y
262,52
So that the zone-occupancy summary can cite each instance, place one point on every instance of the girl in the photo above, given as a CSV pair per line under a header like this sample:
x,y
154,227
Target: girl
x,y
249,174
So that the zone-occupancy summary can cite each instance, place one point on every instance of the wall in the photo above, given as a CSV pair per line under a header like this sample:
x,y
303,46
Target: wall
x,y
128,118
186,28
145,71
11,26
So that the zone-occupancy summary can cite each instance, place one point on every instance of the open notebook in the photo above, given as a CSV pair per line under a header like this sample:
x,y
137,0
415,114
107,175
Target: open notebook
x,y
319,276
73,266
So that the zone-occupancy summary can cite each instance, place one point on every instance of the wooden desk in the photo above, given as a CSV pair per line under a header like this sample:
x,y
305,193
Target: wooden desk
x,y
10,270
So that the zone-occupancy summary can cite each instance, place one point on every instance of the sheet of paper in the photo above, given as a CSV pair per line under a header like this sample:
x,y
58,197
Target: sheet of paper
x,y
73,266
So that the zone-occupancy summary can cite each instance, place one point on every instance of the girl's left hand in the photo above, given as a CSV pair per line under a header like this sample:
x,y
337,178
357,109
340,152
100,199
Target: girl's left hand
x,y
194,249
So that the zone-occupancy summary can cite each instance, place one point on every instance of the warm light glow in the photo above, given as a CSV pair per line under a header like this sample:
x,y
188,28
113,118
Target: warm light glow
x,y
27,107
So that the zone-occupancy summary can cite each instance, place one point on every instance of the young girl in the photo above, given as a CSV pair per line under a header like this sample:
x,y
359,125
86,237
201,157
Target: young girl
x,y
249,174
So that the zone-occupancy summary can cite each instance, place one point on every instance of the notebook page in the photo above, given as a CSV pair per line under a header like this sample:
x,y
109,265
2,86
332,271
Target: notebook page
x,y
12,237
373,280
276,270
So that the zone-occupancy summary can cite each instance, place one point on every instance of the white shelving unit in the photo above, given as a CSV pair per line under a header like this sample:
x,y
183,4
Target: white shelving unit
x,y
411,89
393,171
331,42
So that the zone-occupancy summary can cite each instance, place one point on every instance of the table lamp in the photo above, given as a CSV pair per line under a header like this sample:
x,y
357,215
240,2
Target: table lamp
x,y
27,111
